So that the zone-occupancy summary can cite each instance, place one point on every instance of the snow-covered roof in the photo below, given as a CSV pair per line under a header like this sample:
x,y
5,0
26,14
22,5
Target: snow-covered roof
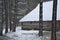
x,y
47,12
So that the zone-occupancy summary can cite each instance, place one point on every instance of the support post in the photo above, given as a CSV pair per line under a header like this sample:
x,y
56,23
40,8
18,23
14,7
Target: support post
x,y
53,34
41,19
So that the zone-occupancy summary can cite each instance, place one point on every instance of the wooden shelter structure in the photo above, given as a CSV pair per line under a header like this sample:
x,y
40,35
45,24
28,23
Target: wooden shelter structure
x,y
11,11
54,20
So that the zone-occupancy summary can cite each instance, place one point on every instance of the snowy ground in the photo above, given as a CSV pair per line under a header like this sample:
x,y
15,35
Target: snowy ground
x,y
27,35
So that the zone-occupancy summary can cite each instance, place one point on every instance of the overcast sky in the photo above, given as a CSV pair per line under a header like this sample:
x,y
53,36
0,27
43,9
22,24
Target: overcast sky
x,y
47,12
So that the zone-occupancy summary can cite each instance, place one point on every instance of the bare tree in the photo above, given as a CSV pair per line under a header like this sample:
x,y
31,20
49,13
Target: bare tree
x,y
15,17
1,28
10,15
6,15
53,34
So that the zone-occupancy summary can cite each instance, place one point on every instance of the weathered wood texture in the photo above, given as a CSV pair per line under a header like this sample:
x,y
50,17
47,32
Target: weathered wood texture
x,y
54,17
35,25
41,19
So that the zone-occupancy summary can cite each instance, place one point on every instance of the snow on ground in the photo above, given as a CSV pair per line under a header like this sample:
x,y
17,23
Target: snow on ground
x,y
27,35
5,38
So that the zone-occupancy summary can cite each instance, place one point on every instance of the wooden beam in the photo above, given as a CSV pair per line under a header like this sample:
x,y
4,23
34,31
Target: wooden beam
x,y
53,34
41,19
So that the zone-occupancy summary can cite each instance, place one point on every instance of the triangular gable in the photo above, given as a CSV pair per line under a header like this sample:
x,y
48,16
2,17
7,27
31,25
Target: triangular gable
x,y
47,13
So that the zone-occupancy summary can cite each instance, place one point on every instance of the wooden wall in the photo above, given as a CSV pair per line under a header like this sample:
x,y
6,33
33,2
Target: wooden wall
x,y
35,25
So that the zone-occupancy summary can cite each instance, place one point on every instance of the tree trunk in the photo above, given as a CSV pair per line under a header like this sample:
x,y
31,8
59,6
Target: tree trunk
x,y
6,15
1,27
10,15
41,19
53,34
15,17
